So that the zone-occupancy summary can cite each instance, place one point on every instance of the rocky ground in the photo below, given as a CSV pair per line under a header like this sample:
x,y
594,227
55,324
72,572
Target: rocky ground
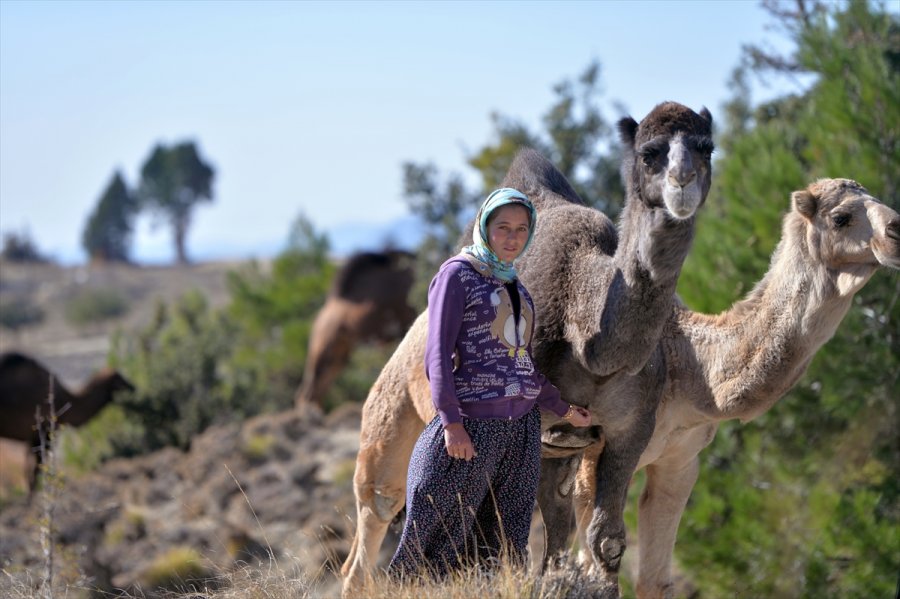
x,y
279,482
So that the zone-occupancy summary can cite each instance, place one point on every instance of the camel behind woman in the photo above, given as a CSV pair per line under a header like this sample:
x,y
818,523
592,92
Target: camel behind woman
x,y
367,302
738,364
24,408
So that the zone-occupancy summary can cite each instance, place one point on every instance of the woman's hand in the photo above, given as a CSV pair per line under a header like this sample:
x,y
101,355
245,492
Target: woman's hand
x,y
577,416
458,443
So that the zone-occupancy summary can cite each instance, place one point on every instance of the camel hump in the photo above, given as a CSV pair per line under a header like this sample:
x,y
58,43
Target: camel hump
x,y
375,276
535,176
17,370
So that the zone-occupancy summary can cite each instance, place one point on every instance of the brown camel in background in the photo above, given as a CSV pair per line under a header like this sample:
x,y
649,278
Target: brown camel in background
x,y
601,297
24,405
739,363
367,302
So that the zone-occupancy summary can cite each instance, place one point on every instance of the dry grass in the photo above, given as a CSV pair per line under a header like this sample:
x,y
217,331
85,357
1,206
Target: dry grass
x,y
271,582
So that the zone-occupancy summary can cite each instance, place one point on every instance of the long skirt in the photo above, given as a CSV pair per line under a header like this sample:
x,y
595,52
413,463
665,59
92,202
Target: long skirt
x,y
461,513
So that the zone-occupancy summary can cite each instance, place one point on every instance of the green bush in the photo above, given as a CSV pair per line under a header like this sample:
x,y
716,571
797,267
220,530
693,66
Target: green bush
x,y
95,305
178,365
17,313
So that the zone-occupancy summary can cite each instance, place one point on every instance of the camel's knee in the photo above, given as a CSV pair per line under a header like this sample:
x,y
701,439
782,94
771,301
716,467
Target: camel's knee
x,y
382,502
607,549
382,492
611,551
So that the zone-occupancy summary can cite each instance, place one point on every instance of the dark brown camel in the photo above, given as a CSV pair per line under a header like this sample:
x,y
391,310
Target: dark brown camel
x,y
24,406
367,302
602,297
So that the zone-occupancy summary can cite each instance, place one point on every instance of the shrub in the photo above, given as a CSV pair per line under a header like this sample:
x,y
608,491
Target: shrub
x,y
95,305
17,313
19,247
176,569
178,366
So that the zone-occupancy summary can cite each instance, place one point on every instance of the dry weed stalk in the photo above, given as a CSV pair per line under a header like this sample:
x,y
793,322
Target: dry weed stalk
x,y
49,490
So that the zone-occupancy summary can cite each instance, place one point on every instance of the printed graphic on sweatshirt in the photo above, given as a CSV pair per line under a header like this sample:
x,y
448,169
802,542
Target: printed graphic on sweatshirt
x,y
491,332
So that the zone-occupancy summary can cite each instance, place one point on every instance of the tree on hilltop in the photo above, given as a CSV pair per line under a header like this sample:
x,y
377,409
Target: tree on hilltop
x,y
107,234
173,180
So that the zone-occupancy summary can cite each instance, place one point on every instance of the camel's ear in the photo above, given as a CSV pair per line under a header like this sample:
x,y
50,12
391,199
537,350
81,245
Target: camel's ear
x,y
628,131
804,202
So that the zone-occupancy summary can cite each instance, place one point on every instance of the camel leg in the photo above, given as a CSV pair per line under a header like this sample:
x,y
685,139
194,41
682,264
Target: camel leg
x,y
606,532
380,488
661,505
376,506
583,496
666,491
555,500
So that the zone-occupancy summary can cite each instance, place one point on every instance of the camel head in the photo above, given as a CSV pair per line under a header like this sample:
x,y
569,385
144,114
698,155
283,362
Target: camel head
x,y
847,230
667,158
107,382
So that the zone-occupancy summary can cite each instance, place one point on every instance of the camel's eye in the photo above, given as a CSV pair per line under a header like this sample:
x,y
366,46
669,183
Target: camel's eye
x,y
651,151
841,219
706,147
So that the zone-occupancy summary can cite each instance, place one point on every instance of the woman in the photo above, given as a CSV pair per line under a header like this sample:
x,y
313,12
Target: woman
x,y
474,472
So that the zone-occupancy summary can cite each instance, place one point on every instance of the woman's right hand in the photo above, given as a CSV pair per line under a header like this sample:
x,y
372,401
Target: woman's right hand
x,y
458,443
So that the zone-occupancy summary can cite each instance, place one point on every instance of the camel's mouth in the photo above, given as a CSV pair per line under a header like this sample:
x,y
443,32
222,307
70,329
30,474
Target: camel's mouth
x,y
683,202
886,260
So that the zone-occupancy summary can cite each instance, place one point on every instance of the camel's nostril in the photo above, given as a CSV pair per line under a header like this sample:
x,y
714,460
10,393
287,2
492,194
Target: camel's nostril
x,y
893,229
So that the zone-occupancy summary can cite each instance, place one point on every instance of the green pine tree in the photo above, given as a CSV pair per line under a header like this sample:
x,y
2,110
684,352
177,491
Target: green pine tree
x,y
805,500
107,234
173,181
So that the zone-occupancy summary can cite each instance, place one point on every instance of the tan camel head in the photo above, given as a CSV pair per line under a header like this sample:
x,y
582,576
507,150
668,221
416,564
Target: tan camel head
x,y
667,156
847,230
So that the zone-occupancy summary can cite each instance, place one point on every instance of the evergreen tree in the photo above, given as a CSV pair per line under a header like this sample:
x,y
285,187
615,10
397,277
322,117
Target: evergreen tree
x,y
274,311
173,180
805,500
107,234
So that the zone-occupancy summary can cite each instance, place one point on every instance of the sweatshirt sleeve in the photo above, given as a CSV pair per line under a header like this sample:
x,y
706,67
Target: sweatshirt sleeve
x,y
549,398
446,306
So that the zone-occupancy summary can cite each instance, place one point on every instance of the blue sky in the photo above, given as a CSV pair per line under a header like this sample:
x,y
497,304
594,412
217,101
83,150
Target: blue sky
x,y
313,107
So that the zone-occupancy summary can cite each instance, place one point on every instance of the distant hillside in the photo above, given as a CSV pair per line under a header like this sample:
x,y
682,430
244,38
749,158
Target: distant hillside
x,y
74,350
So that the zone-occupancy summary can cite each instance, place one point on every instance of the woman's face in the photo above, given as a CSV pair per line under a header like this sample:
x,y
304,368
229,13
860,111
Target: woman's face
x,y
508,231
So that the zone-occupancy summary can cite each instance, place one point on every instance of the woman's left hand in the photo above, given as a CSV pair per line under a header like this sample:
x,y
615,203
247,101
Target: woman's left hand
x,y
579,416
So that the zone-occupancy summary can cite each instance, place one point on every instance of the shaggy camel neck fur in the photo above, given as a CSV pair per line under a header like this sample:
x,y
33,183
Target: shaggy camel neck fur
x,y
601,299
24,393
738,364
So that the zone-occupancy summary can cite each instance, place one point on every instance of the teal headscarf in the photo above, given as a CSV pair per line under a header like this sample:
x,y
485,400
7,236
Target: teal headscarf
x,y
480,250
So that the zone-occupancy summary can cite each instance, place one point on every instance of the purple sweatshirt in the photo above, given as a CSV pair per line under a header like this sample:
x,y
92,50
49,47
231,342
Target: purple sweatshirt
x,y
478,361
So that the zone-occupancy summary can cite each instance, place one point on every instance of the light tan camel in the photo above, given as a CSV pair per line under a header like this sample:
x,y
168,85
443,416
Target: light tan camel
x,y
24,392
367,302
738,364
601,298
